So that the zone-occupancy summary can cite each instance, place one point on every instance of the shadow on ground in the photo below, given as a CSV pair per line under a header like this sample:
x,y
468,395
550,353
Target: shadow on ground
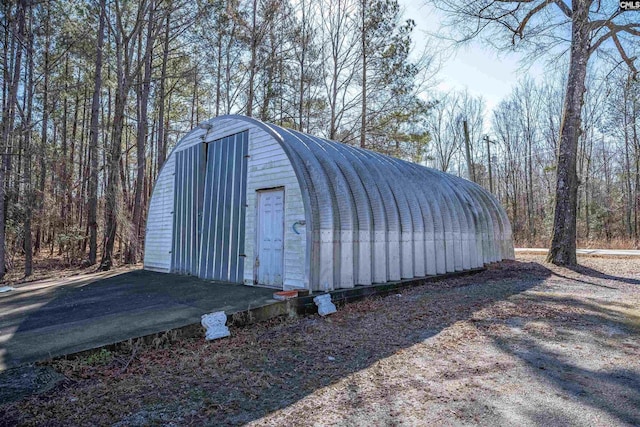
x,y
590,355
268,367
615,392
581,269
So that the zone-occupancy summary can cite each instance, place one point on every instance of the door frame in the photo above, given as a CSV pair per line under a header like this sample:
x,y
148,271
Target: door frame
x,y
259,193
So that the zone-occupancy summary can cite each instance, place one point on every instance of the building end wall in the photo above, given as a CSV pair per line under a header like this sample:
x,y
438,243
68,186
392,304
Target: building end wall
x,y
269,167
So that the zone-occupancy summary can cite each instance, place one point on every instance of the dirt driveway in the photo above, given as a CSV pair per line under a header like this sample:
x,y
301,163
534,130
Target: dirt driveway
x,y
523,343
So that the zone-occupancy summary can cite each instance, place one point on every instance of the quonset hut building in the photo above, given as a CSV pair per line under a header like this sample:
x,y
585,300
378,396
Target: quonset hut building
x,y
243,201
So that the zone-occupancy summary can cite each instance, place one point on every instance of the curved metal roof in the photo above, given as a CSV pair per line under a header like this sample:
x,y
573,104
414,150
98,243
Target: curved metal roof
x,y
374,218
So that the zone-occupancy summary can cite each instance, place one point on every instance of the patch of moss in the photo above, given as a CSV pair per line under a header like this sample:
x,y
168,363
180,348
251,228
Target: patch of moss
x,y
101,357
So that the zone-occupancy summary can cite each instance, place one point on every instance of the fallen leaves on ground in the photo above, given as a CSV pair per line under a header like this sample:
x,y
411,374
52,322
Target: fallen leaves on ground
x,y
520,343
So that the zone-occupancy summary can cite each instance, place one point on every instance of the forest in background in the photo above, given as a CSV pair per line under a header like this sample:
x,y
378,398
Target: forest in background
x,y
96,93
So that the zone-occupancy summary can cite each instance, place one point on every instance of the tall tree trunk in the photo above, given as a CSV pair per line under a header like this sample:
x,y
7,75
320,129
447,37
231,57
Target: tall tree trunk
x,y
563,244
29,196
253,59
72,154
194,99
219,73
83,169
607,198
304,43
363,118
587,189
230,93
43,137
92,214
64,209
127,71
636,144
627,176
8,115
134,246
333,102
269,68
113,178
111,207
467,151
530,209
161,150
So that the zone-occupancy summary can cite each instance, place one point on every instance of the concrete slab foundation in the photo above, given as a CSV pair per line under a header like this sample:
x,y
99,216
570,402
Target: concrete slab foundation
x,y
48,319
53,318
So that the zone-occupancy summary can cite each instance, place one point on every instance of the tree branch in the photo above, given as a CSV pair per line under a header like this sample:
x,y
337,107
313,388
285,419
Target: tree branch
x,y
603,22
526,19
564,8
633,29
613,30
623,54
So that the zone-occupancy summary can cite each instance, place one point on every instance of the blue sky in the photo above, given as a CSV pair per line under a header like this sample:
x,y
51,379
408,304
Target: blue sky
x,y
473,66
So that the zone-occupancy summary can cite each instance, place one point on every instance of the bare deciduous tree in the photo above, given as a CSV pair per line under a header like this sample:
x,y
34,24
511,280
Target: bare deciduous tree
x,y
539,25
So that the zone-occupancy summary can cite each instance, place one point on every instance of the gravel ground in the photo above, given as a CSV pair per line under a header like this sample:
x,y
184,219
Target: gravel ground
x,y
523,343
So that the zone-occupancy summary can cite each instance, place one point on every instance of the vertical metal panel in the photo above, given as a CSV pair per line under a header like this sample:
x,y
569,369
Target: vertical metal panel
x,y
220,220
238,208
234,208
187,208
224,209
198,177
242,183
178,214
210,210
176,267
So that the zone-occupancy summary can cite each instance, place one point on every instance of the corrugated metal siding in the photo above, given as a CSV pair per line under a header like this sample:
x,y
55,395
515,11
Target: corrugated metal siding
x,y
187,210
223,228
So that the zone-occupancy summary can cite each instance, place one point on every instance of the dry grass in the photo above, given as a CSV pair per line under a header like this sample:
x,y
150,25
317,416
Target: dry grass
x,y
49,267
592,243
522,343
616,243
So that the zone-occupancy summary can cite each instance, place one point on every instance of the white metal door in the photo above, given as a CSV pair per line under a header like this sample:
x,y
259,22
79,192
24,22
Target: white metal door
x,y
270,237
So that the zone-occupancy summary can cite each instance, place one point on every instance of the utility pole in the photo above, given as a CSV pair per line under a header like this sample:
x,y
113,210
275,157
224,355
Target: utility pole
x,y
489,142
470,169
